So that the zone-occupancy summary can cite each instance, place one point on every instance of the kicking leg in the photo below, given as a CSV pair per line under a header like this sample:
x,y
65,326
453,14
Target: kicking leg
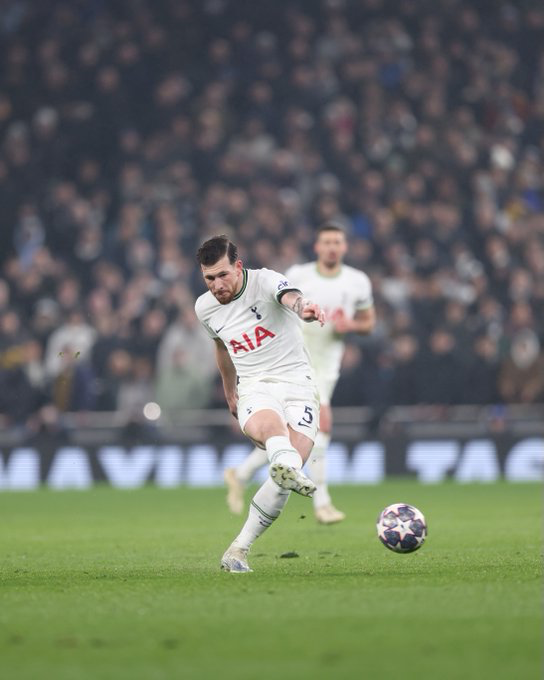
x,y
287,451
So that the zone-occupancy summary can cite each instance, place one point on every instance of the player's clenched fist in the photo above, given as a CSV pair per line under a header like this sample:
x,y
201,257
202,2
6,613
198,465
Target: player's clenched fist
x,y
312,312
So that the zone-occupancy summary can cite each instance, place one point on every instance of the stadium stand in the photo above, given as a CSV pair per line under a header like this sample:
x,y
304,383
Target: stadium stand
x,y
130,131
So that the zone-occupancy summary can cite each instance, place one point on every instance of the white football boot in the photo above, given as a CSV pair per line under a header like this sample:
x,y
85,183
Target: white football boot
x,y
292,479
328,514
235,491
235,560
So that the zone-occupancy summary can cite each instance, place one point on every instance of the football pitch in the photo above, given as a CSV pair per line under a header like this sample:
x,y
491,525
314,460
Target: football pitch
x,y
109,584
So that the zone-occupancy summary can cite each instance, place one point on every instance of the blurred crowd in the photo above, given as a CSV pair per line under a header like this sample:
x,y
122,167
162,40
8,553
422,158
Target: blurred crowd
x,y
132,130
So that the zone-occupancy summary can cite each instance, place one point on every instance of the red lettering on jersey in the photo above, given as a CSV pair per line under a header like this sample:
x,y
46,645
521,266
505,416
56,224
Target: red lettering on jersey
x,y
237,346
262,333
248,340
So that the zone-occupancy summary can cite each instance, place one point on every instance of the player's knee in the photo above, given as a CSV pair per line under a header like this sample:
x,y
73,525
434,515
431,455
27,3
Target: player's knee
x,y
265,424
301,443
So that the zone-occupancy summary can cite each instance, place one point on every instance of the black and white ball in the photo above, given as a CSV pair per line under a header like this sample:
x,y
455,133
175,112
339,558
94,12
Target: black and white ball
x,y
401,527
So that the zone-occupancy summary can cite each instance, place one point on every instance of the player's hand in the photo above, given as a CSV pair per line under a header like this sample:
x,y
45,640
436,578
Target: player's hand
x,y
313,312
341,323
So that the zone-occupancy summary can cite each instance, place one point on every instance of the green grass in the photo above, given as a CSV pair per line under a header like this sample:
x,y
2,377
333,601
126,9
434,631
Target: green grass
x,y
125,584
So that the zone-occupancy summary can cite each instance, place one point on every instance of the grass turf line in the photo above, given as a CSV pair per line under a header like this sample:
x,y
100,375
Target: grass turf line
x,y
125,584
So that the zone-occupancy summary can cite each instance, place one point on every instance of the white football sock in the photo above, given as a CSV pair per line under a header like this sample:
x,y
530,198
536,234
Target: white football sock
x,y
317,469
265,507
249,466
280,450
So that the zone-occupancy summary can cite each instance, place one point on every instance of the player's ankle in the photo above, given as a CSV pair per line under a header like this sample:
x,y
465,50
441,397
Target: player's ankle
x,y
280,450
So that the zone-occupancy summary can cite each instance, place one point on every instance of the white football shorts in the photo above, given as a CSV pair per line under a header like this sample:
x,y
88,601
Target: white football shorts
x,y
297,404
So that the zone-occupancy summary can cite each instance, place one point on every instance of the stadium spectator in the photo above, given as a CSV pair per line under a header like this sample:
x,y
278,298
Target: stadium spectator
x,y
186,334
403,386
114,379
348,389
145,131
71,384
480,384
441,371
521,378
18,397
137,389
74,336
181,385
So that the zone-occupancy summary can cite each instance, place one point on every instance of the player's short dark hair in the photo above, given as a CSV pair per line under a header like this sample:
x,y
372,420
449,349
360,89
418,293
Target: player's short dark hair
x,y
330,226
212,250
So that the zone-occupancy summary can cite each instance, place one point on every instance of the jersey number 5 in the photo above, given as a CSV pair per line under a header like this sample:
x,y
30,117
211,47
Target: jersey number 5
x,y
308,417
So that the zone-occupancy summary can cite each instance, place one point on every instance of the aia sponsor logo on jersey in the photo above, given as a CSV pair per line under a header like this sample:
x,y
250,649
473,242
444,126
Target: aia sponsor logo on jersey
x,y
248,342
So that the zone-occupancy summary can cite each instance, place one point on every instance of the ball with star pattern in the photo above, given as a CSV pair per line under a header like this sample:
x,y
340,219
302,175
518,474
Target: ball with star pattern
x,y
401,527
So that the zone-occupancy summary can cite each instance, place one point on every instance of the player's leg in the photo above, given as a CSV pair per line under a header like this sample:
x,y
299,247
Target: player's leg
x,y
271,497
325,511
237,478
269,428
264,509
302,443
263,416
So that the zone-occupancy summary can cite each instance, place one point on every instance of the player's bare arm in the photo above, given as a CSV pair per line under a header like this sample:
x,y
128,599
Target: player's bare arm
x,y
363,322
228,375
305,309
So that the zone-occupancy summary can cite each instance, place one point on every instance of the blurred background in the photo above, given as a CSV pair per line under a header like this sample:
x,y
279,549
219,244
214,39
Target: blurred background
x,y
132,130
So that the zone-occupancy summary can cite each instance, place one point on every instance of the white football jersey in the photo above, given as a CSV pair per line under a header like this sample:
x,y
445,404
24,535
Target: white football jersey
x,y
350,290
263,337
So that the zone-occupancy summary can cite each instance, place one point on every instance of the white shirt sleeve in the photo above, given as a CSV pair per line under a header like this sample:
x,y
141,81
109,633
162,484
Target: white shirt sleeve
x,y
209,330
364,299
274,284
200,313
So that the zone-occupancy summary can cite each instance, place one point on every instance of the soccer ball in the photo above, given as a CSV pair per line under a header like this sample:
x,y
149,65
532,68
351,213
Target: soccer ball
x,y
401,527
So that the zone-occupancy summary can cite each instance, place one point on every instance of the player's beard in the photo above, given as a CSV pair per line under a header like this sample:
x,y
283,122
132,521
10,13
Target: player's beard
x,y
226,297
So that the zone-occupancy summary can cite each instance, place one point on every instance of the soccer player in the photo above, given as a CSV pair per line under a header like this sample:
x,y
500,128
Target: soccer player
x,y
345,295
251,314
